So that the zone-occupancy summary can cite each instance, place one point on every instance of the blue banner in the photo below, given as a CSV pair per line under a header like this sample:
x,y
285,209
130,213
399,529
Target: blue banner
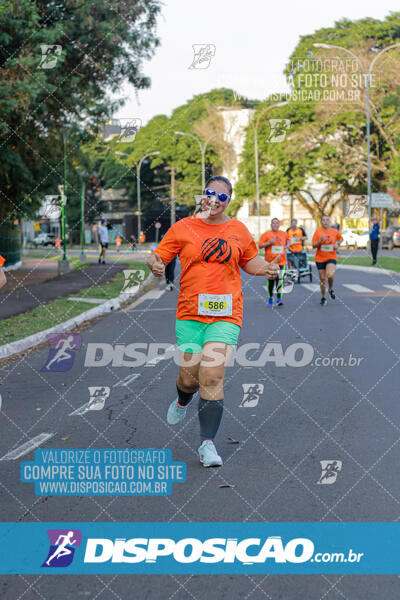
x,y
207,548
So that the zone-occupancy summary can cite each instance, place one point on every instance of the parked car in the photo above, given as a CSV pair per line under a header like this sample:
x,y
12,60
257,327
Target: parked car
x,y
355,238
390,237
44,239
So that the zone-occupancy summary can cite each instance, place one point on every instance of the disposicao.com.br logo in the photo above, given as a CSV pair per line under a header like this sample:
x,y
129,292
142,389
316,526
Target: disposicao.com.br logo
x,y
248,551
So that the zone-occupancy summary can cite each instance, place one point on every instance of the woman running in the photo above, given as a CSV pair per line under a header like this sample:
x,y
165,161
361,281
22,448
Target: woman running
x,y
212,248
275,243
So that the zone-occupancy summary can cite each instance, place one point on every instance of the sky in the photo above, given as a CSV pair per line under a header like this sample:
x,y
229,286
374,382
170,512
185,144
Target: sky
x,y
253,40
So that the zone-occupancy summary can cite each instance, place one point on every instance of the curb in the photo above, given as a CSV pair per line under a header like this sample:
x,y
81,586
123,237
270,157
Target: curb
x,y
37,338
13,267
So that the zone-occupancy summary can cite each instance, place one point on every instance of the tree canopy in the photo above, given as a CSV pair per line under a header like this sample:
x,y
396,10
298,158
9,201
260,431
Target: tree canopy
x,y
326,141
59,62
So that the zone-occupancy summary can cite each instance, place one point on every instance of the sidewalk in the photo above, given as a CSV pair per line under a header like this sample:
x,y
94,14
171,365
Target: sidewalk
x,y
37,282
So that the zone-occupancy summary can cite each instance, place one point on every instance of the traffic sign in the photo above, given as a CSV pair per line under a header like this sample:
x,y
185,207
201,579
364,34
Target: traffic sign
x,y
157,225
381,200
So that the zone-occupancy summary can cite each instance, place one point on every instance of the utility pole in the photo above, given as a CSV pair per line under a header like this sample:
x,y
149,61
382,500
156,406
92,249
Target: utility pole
x,y
82,257
173,171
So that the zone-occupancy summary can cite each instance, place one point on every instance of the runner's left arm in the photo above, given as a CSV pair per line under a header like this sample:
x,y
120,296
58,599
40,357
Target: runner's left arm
x,y
259,266
339,240
3,279
252,263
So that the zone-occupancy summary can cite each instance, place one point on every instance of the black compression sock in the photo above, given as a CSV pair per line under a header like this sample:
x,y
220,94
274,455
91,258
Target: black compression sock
x,y
183,397
210,415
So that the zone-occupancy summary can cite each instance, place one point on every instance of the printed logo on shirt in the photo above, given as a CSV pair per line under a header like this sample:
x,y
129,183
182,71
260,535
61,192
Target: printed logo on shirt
x,y
216,250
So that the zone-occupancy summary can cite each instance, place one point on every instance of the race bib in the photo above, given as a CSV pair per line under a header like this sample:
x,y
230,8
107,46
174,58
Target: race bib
x,y
215,305
277,249
327,247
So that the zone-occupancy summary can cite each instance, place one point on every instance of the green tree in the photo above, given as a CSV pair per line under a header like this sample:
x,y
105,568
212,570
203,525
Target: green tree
x,y
326,142
98,46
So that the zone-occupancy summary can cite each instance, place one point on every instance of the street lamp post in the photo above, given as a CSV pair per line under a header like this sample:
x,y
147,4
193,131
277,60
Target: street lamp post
x,y
82,258
367,75
255,129
203,148
63,265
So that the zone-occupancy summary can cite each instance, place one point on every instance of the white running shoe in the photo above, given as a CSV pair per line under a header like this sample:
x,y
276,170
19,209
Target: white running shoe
x,y
208,455
175,413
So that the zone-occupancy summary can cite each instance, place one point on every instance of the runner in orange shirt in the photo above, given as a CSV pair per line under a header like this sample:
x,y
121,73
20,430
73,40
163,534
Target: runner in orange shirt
x,y
297,237
212,249
118,241
275,243
3,279
326,240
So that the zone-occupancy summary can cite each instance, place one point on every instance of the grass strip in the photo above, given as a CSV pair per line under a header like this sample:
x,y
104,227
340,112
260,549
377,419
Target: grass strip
x,y
57,311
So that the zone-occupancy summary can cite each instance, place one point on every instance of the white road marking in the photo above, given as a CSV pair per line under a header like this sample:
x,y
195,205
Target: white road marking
x,y
312,287
356,287
153,295
28,446
127,380
395,288
396,320
89,300
86,407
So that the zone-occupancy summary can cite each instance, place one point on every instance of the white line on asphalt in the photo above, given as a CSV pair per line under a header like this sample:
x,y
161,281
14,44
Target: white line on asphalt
x,y
89,300
153,295
127,380
88,406
356,287
312,287
81,410
28,446
396,320
395,288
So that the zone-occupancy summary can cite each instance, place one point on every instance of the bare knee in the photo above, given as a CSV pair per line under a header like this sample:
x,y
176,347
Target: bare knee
x,y
187,382
210,378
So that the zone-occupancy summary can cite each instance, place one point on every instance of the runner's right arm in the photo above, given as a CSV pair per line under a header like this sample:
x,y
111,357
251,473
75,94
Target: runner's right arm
x,y
316,242
263,243
166,250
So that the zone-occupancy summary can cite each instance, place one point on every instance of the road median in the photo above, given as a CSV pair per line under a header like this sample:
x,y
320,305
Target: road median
x,y
81,311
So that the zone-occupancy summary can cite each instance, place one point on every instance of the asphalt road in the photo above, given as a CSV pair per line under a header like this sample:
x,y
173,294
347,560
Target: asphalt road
x,y
305,413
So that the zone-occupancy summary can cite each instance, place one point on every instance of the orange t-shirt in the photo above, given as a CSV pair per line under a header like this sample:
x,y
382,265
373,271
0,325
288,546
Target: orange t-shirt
x,y
210,256
327,250
277,248
297,232
2,261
